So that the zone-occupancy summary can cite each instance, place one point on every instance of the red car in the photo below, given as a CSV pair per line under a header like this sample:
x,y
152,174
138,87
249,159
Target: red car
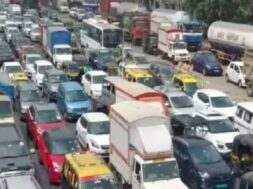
x,y
43,117
52,147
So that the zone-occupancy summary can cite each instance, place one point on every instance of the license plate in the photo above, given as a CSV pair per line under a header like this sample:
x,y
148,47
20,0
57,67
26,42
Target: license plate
x,y
221,186
216,70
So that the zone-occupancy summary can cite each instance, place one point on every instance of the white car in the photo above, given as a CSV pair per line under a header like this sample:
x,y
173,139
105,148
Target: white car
x,y
26,28
234,73
217,129
35,33
92,82
11,68
72,11
80,14
29,61
9,31
40,67
93,132
216,100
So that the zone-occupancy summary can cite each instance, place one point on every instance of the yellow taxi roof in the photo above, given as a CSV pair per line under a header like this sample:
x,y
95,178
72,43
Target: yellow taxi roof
x,y
138,72
186,78
88,164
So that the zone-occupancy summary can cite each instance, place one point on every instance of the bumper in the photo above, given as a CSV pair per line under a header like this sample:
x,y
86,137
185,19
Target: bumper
x,y
215,184
55,177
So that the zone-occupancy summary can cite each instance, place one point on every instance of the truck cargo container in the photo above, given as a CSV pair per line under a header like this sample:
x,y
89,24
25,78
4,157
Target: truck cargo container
x,y
108,7
228,40
170,42
141,149
56,43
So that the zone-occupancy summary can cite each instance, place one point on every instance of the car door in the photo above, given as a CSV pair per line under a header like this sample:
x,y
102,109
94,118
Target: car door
x,y
86,80
82,131
42,148
236,74
31,120
230,72
60,100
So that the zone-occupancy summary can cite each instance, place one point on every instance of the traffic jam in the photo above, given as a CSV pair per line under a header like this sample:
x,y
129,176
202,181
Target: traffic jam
x,y
107,95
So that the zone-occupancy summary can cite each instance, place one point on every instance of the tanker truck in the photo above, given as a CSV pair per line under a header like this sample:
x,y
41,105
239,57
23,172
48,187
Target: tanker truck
x,y
141,149
228,40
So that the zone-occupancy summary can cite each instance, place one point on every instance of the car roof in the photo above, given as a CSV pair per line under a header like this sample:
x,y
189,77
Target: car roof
x,y
238,63
54,72
71,86
12,64
246,105
28,86
137,54
9,133
212,92
60,134
97,73
95,116
43,62
44,106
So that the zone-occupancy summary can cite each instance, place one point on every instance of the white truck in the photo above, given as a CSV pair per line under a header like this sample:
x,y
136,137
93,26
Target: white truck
x,y
170,42
141,150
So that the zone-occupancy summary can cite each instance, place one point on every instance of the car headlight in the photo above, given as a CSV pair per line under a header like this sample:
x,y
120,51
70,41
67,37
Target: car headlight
x,y
204,175
57,167
94,144
220,145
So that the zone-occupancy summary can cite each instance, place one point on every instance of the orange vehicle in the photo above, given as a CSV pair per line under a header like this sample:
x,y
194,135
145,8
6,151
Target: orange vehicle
x,y
115,90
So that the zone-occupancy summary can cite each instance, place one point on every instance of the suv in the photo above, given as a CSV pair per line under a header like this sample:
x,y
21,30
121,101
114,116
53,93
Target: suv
x,y
200,164
14,158
217,129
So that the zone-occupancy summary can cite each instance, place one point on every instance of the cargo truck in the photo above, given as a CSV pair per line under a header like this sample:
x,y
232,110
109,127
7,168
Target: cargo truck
x,y
56,42
134,26
228,40
141,149
171,44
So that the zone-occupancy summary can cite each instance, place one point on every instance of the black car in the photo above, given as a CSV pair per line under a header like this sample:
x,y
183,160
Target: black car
x,y
162,72
14,157
17,42
200,164
5,53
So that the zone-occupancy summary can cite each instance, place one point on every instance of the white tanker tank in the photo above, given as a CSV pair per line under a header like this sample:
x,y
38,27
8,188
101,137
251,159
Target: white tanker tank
x,y
230,39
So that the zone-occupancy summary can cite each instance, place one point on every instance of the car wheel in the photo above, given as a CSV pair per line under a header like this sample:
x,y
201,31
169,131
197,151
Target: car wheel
x,y
240,83
204,71
226,78
193,184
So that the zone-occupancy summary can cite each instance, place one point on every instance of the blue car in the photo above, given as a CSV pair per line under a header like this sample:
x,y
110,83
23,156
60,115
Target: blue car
x,y
72,101
207,64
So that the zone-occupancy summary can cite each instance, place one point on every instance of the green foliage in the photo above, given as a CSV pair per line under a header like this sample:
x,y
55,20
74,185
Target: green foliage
x,y
209,11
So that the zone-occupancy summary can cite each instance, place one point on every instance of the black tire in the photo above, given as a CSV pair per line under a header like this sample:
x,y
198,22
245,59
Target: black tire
x,y
249,88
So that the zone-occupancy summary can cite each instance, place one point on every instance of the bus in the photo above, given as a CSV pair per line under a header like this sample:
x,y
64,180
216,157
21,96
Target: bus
x,y
97,33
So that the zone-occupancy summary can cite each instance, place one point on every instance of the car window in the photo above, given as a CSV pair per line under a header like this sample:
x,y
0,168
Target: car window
x,y
83,122
231,66
239,112
247,116
88,78
204,98
236,68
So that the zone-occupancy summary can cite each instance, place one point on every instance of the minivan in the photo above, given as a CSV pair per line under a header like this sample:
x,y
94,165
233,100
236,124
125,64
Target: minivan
x,y
201,166
72,101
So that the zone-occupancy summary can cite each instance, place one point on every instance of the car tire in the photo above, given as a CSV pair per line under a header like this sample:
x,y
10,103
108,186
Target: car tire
x,y
227,78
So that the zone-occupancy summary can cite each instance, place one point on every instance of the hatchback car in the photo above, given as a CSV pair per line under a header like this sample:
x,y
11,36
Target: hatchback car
x,y
11,68
235,74
139,59
41,117
206,63
52,147
72,101
200,164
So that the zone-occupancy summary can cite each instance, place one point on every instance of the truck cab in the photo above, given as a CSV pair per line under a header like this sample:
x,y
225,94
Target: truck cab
x,y
178,51
61,53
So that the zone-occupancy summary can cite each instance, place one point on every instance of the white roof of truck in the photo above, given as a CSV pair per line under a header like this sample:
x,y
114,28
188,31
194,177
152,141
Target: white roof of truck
x,y
132,111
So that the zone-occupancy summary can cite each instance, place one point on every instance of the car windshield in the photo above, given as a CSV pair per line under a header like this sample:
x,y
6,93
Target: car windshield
x,y
13,69
148,81
142,24
30,96
13,149
210,58
63,51
221,102
241,68
221,126
57,78
179,46
181,102
31,60
98,79
106,57
48,116
99,183
112,38
64,146
160,171
35,30
99,128
204,154
141,60
76,96
192,28
6,109
43,69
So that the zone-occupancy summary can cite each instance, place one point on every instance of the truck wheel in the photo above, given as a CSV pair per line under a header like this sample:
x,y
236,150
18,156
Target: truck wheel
x,y
250,89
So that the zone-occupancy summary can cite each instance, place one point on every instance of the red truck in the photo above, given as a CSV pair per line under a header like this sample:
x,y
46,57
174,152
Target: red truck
x,y
109,7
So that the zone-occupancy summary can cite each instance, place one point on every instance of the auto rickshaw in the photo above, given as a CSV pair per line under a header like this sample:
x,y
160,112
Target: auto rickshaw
x,y
242,154
246,181
184,125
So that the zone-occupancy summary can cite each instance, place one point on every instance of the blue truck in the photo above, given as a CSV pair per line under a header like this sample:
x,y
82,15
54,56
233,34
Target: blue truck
x,y
6,86
56,42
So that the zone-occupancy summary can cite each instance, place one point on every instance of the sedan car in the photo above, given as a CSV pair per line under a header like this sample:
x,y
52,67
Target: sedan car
x,y
52,147
216,100
51,80
207,64
27,93
42,117
162,72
